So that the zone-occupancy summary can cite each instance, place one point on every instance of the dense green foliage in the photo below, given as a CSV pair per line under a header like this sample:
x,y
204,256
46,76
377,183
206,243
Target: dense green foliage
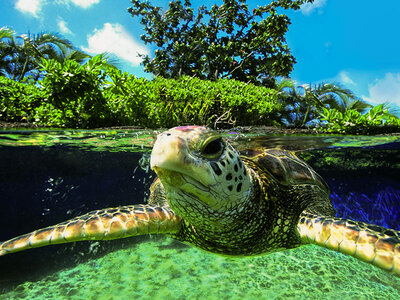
x,y
74,95
376,120
226,41
95,94
170,102
18,101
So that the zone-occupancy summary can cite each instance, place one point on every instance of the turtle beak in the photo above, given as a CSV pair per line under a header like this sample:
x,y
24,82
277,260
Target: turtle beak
x,y
171,152
166,152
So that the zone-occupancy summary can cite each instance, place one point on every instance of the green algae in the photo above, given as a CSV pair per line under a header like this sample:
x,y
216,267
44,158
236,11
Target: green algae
x,y
160,269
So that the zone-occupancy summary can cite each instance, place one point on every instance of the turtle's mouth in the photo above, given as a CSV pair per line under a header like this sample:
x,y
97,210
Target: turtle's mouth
x,y
173,180
169,177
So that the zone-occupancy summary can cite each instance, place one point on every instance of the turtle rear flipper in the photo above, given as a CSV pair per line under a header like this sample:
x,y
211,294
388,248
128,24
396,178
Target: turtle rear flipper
x,y
105,224
373,244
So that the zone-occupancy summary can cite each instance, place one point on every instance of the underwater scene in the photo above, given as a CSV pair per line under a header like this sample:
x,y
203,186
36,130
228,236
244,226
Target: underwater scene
x,y
50,176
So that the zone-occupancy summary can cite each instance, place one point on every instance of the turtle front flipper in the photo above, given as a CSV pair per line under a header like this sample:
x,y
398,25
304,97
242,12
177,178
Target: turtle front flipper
x,y
105,224
373,244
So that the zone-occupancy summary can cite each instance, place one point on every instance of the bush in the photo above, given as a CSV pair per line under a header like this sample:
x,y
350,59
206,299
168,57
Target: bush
x,y
74,95
18,101
171,102
95,94
376,120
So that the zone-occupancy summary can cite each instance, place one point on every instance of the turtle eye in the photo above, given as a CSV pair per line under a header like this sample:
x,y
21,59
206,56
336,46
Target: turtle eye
x,y
213,148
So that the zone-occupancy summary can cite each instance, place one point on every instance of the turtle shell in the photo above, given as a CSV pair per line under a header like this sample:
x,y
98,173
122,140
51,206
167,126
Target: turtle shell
x,y
286,167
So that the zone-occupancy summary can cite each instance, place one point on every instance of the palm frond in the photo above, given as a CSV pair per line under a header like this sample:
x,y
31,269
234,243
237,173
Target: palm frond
x,y
6,32
359,105
111,59
285,83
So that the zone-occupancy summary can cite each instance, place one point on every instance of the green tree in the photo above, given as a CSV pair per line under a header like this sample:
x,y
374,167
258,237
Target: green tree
x,y
226,41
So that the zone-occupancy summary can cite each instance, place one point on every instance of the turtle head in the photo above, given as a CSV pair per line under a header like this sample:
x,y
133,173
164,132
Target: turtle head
x,y
201,172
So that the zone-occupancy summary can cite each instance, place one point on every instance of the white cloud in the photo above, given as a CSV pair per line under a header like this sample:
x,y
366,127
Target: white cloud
x,y
84,3
308,8
385,89
62,25
344,77
29,6
33,7
113,38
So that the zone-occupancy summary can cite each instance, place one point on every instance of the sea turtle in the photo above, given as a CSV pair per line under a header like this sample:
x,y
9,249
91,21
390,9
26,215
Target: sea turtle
x,y
210,196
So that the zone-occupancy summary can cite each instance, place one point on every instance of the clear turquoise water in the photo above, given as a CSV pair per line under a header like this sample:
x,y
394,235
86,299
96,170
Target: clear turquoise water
x,y
60,167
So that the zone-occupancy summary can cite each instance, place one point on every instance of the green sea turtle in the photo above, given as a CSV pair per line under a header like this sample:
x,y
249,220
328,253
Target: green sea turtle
x,y
210,196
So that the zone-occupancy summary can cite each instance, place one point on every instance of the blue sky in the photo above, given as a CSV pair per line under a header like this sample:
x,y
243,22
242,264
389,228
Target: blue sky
x,y
353,42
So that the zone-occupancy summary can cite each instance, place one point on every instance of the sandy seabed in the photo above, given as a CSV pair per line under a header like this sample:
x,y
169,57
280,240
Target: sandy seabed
x,y
160,269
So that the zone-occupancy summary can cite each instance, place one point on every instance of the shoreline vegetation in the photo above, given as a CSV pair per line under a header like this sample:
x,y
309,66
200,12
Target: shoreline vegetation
x,y
97,95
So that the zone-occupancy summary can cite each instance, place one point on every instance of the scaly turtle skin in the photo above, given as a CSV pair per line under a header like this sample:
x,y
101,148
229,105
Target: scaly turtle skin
x,y
209,196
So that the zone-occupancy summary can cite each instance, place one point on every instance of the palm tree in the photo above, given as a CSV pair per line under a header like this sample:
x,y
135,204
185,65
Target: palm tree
x,y
7,43
305,102
354,104
5,32
38,46
68,54
286,94
21,55
333,95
